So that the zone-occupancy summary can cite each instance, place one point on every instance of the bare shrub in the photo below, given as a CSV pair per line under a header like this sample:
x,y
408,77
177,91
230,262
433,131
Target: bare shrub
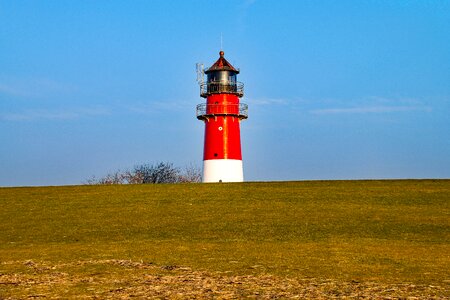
x,y
191,174
157,173
117,177
162,172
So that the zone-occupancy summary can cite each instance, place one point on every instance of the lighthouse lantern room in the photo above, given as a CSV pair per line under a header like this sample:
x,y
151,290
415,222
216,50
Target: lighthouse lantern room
x,y
222,113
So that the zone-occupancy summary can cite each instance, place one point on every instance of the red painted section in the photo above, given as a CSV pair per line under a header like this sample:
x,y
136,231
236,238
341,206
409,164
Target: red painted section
x,y
222,132
222,99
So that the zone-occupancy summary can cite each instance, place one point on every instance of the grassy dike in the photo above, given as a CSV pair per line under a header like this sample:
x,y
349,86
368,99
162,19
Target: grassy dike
x,y
382,232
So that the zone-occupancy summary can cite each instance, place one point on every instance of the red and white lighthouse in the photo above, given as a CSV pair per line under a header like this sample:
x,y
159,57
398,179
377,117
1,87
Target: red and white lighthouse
x,y
222,114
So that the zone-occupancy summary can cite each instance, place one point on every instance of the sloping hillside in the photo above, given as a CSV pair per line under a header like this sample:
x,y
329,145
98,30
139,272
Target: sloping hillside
x,y
321,238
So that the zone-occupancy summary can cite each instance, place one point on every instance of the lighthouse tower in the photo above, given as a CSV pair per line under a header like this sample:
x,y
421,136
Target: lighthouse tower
x,y
222,113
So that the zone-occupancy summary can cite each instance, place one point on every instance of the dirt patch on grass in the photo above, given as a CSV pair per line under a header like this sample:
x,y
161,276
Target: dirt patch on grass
x,y
101,279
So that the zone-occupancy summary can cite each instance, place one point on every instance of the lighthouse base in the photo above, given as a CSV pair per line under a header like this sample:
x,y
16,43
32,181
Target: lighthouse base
x,y
223,170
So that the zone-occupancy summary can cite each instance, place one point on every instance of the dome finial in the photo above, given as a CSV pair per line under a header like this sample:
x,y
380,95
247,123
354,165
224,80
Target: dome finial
x,y
221,53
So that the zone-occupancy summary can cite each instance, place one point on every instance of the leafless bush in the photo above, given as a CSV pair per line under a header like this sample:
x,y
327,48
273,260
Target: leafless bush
x,y
162,172
191,174
112,178
157,173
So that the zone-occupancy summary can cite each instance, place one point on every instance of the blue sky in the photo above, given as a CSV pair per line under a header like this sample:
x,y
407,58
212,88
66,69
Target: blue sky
x,y
336,89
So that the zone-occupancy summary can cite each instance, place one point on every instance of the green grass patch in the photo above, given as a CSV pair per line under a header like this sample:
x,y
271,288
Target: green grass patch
x,y
391,231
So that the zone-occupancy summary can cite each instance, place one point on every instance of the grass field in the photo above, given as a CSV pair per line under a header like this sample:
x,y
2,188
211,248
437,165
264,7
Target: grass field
x,y
270,239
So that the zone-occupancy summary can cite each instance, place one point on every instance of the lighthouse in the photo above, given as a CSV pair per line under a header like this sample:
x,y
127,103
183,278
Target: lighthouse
x,y
222,114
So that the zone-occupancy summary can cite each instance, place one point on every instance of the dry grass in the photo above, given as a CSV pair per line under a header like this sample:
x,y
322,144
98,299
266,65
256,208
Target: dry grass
x,y
128,279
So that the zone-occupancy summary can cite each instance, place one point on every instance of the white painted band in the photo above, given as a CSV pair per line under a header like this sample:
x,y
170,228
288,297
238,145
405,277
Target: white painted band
x,y
223,170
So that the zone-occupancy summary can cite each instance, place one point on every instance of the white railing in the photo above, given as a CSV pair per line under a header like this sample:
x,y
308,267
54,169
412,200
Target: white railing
x,y
210,110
